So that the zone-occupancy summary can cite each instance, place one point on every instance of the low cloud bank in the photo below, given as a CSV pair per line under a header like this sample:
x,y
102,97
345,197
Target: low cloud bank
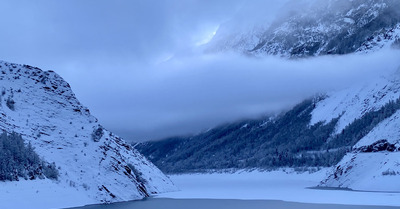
x,y
107,51
193,93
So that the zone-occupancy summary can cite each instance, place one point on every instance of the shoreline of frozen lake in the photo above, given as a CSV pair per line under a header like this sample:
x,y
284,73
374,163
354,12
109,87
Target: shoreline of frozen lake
x,y
168,203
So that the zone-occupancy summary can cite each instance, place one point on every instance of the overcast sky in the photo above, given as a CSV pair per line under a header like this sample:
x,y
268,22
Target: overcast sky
x,y
139,68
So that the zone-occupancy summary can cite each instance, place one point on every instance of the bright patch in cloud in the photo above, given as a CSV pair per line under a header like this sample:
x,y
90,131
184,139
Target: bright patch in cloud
x,y
207,36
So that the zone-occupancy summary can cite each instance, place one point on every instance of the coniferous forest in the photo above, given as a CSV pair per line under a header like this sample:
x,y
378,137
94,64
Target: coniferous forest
x,y
19,160
285,141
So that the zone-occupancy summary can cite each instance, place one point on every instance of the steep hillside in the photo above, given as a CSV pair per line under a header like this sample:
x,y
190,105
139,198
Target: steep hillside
x,y
373,164
311,28
286,140
361,121
92,161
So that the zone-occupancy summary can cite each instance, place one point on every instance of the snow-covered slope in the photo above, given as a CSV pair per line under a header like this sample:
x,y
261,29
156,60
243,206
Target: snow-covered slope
x,y
367,171
311,28
386,38
91,160
374,165
354,102
374,162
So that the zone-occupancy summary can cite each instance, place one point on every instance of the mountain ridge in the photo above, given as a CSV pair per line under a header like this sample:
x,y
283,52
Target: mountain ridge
x,y
89,158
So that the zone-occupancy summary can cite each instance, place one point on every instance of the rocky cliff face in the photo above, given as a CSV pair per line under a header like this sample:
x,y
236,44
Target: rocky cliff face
x,y
316,28
41,107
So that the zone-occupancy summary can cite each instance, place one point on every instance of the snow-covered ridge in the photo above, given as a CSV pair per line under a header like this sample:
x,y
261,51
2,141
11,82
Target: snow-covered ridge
x,y
386,38
90,159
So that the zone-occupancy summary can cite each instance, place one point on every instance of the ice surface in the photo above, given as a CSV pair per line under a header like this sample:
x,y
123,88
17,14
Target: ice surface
x,y
276,185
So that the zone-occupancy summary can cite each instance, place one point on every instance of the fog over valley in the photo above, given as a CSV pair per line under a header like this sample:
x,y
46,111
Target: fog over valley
x,y
147,73
170,104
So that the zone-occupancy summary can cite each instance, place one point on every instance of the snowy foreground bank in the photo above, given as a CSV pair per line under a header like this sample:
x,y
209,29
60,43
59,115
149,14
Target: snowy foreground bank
x,y
41,194
239,190
276,185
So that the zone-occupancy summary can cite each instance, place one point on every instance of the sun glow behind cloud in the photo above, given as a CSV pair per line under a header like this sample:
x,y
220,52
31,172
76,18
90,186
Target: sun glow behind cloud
x,y
207,36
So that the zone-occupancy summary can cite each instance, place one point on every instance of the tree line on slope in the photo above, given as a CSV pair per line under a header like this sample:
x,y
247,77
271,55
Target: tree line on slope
x,y
362,126
286,141
19,160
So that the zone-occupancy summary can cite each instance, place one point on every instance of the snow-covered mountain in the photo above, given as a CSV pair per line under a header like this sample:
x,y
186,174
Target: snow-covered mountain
x,y
92,161
311,28
354,130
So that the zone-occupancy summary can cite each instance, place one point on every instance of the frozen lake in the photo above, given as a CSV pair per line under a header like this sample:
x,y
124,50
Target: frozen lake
x,y
165,203
253,190
275,185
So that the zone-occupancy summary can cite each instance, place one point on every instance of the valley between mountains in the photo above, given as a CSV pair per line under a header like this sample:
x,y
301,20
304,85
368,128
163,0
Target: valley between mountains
x,y
342,144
